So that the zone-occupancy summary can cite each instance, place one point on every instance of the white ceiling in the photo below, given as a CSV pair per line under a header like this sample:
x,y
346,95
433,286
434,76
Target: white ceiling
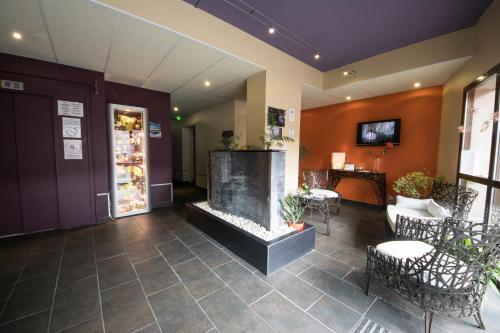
x,y
85,34
427,76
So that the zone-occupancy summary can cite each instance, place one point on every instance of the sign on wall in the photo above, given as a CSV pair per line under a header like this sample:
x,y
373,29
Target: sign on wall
x,y
73,149
70,109
154,130
71,128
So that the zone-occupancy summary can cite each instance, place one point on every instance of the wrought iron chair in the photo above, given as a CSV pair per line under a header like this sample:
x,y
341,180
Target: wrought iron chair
x,y
320,180
457,199
451,278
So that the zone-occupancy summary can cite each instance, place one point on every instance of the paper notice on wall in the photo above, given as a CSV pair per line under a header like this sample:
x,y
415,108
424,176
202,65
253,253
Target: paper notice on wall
x,y
71,128
71,109
73,149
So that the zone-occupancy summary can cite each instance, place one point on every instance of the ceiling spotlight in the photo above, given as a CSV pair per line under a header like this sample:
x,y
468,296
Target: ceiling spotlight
x,y
481,77
207,83
176,109
271,30
348,98
17,35
416,84
317,56
345,73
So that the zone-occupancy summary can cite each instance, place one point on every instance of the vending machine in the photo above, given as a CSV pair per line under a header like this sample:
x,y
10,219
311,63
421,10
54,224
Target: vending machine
x,y
129,160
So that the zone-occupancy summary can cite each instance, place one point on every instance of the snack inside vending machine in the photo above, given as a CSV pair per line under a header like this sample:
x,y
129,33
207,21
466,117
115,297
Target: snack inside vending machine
x,y
129,160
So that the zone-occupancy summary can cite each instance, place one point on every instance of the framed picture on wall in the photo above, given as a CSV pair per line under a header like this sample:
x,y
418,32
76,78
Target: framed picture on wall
x,y
275,117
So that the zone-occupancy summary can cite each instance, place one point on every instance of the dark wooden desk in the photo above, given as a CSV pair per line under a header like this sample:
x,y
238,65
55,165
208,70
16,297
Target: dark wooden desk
x,y
376,179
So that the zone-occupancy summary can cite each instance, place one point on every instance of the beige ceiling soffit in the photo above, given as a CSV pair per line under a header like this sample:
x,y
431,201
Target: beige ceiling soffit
x,y
454,45
118,5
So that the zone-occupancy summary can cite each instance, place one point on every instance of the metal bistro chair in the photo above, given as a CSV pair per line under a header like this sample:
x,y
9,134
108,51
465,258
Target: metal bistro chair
x,y
442,267
322,197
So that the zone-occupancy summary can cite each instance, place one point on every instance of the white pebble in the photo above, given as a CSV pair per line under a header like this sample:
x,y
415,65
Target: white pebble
x,y
247,225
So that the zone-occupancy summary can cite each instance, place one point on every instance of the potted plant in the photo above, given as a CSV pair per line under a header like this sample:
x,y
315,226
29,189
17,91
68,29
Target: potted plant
x,y
292,211
414,185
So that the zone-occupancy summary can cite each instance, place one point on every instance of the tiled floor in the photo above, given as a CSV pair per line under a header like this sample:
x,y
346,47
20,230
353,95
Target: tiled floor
x,y
155,273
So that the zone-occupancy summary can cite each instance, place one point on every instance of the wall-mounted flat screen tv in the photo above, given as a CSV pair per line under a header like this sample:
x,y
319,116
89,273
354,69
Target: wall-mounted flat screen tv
x,y
378,133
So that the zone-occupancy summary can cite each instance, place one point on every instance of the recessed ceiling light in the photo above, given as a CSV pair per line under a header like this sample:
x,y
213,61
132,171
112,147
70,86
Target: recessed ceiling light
x,y
348,98
416,84
176,109
207,83
317,56
17,35
345,73
481,77
271,30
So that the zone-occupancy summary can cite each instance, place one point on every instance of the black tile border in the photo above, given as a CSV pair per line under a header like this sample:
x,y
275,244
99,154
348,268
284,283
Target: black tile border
x,y
267,257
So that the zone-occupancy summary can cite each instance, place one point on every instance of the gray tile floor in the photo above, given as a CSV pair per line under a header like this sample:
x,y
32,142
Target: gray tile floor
x,y
156,273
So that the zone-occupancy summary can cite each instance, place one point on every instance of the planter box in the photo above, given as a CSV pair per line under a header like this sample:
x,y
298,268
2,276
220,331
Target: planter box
x,y
267,257
248,184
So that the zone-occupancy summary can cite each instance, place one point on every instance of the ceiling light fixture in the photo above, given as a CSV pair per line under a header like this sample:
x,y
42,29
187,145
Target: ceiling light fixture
x,y
345,73
416,84
17,35
176,109
481,77
271,30
348,98
317,56
207,83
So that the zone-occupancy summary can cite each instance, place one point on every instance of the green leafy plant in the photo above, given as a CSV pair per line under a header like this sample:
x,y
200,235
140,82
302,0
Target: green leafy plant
x,y
292,209
304,189
268,139
414,184
229,143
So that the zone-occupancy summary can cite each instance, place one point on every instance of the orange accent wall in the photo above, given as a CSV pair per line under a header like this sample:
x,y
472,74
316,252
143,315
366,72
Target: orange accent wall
x,y
333,129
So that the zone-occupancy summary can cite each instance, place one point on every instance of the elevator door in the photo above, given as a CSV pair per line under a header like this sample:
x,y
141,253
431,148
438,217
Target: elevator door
x,y
10,223
36,161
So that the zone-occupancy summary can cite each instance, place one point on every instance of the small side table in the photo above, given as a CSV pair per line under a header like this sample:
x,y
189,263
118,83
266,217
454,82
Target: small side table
x,y
321,200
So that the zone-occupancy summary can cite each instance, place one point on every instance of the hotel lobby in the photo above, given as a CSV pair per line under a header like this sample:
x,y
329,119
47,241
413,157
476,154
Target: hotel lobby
x,y
250,166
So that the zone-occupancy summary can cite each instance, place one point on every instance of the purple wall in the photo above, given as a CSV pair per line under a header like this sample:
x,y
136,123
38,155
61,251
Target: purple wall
x,y
98,93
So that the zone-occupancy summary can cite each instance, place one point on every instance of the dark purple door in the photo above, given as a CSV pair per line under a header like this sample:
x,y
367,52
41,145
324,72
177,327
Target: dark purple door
x,y
36,161
10,223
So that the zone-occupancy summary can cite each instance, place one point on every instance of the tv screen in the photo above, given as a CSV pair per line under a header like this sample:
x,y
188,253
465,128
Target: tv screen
x,y
378,133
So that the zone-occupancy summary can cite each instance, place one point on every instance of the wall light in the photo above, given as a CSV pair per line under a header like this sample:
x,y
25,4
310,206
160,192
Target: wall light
x,y
416,84
178,118
176,109
207,83
317,56
348,98
271,30
17,35
481,77
345,73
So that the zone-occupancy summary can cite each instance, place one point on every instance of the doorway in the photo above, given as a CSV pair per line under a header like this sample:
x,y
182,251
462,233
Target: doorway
x,y
188,154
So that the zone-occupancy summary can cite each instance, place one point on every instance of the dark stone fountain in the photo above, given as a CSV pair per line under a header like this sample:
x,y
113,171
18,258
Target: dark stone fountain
x,y
249,184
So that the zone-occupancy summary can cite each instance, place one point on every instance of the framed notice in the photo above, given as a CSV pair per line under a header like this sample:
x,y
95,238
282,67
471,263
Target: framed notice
x,y
71,128
73,149
154,130
70,109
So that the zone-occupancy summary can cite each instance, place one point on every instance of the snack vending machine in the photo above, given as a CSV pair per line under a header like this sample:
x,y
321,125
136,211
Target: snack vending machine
x,y
129,160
